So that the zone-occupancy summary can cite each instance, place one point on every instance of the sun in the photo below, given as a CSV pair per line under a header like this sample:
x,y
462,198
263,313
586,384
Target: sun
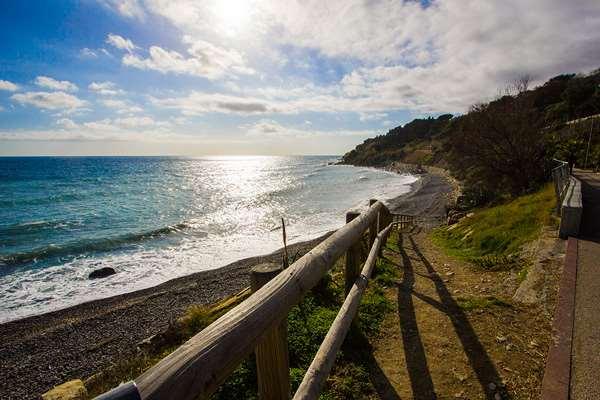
x,y
232,16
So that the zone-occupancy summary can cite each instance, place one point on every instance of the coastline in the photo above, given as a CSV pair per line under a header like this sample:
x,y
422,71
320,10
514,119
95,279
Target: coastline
x,y
41,351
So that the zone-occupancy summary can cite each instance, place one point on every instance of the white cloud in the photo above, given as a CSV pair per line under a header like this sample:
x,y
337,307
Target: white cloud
x,y
66,123
53,84
120,42
205,60
138,122
88,53
122,106
127,8
96,133
442,57
106,88
364,117
288,101
267,128
50,100
138,129
197,103
1,108
9,86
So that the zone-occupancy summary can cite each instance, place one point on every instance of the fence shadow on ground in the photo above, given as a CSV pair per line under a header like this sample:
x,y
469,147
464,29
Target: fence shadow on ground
x,y
414,351
419,374
357,340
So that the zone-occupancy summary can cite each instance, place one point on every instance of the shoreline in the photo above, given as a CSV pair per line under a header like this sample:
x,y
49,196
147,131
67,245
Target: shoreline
x,y
41,351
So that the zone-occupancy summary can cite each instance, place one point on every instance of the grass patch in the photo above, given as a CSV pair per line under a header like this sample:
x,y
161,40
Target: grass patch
x,y
385,274
477,303
492,237
522,274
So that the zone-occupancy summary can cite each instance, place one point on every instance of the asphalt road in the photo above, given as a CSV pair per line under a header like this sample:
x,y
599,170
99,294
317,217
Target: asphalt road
x,y
585,367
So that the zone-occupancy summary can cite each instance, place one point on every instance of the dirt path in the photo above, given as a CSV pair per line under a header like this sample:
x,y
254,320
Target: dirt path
x,y
456,334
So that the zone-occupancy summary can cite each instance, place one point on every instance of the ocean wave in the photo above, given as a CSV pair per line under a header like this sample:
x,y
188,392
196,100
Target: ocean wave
x,y
33,226
81,247
40,201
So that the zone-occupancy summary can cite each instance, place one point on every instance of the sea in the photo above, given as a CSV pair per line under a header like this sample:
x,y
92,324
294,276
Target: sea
x,y
153,219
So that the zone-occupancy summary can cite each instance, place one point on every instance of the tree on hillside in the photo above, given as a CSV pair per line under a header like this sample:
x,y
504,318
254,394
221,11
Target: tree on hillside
x,y
499,147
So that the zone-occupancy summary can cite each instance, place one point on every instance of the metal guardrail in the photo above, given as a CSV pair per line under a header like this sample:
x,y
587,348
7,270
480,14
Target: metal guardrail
x,y
560,176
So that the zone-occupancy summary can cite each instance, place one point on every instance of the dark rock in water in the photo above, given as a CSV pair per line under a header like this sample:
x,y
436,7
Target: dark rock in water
x,y
102,273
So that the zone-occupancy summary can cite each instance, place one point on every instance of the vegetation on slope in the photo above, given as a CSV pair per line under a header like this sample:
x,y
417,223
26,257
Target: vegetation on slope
x,y
492,237
504,147
399,143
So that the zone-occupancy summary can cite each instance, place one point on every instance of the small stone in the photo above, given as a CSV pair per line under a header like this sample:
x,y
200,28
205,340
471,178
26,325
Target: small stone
x,y
533,343
497,396
449,273
460,394
492,386
501,339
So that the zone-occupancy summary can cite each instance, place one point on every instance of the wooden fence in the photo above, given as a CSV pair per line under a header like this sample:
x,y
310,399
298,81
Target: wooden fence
x,y
197,368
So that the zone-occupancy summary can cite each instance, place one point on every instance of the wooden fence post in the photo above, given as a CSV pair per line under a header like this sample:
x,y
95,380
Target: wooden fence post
x,y
352,258
272,357
374,228
386,217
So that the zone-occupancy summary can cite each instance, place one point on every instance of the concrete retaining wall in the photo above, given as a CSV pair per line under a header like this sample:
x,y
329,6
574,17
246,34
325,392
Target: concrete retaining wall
x,y
571,210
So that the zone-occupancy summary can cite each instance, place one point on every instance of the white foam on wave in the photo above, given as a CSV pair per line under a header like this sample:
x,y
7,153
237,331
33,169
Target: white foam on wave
x,y
35,291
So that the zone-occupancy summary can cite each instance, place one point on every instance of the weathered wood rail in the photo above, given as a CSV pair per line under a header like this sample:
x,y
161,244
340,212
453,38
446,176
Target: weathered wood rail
x,y
197,368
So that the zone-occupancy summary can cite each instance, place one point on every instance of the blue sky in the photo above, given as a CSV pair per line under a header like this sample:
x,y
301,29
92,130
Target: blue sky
x,y
265,77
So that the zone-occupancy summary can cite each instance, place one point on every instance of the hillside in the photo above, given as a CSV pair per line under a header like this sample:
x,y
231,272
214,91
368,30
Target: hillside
x,y
412,143
516,134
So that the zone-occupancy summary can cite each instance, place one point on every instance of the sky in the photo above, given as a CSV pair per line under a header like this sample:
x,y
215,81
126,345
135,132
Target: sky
x,y
188,77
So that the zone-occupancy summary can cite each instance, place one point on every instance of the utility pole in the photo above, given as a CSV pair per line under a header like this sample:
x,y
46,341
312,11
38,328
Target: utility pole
x,y
588,145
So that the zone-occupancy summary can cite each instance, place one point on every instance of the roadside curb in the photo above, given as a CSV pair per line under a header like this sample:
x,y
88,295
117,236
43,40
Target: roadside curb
x,y
557,375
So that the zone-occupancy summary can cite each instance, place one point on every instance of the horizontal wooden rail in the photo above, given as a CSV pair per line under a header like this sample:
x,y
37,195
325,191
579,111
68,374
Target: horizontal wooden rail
x,y
319,369
199,366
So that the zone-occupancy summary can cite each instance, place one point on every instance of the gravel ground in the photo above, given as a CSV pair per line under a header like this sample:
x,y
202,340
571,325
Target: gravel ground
x,y
39,352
